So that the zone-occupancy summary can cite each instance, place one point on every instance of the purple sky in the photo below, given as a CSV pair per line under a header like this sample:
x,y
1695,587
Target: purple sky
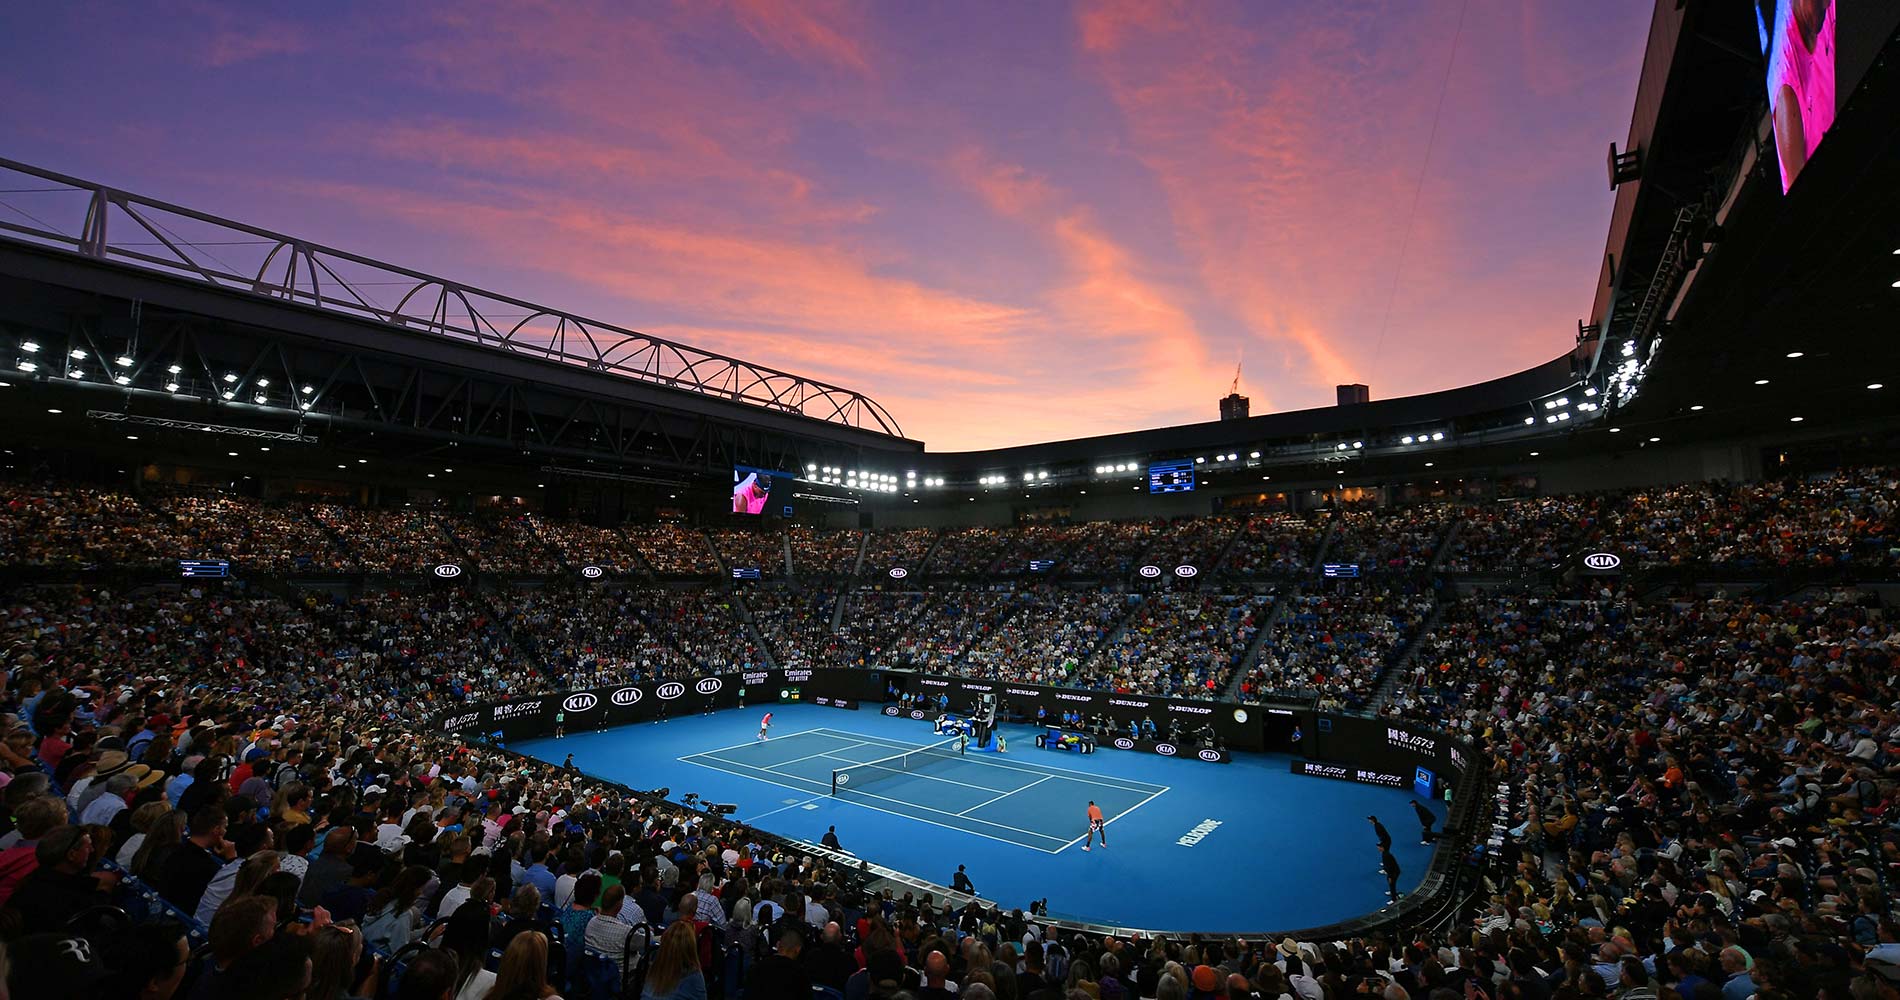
x,y
1005,222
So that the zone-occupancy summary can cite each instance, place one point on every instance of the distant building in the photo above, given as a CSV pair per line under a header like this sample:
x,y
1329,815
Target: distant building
x,y
1233,406
1355,393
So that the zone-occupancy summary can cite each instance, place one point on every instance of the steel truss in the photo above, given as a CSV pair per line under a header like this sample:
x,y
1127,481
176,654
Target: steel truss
x,y
191,371
129,229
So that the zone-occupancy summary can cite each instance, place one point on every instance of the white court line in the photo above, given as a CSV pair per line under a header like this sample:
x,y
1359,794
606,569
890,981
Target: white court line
x,y
780,809
825,753
885,798
1111,819
1007,794
1083,776
787,736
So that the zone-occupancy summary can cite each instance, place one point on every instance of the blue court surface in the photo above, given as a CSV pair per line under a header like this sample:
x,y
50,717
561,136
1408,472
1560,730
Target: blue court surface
x,y
1245,846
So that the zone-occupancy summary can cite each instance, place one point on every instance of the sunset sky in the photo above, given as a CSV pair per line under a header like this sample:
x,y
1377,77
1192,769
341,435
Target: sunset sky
x,y
1005,222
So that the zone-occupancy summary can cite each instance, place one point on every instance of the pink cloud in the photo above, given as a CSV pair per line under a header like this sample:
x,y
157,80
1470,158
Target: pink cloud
x,y
824,33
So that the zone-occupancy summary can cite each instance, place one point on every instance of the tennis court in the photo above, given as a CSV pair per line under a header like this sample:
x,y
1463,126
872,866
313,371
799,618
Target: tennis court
x,y
1036,806
1283,849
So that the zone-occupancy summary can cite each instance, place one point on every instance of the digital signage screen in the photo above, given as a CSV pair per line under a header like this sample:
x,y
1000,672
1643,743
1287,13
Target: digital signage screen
x,y
752,488
1171,477
1797,43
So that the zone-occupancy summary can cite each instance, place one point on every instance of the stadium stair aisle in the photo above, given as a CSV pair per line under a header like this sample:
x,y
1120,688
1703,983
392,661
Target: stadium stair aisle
x,y
1232,691
1395,670
1220,558
857,565
1325,545
743,612
1445,544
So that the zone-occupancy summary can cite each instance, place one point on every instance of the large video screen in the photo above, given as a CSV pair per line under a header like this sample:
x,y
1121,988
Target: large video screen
x,y
1816,52
1797,39
752,488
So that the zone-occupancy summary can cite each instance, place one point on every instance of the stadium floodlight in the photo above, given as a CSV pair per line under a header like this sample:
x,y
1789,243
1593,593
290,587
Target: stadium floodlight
x,y
77,354
259,398
1341,446
1563,416
1654,440
30,346
1796,420
1697,408
1438,435
1200,461
171,387
303,406
1795,354
76,373
1616,430
1042,475
122,361
1528,420
809,466
230,377
1407,439
122,379
1590,391
228,394
27,366
1253,454
1761,381
1358,444
1550,419
263,383
1876,385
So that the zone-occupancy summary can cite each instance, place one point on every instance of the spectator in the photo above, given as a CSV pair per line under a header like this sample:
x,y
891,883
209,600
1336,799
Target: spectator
x,y
780,975
675,973
62,883
190,868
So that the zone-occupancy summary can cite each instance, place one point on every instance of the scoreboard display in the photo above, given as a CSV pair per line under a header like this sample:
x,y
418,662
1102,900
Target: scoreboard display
x,y
199,569
1171,477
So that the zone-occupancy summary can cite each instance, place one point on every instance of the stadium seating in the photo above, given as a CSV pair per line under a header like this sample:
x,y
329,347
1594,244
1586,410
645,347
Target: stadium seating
x,y
1715,767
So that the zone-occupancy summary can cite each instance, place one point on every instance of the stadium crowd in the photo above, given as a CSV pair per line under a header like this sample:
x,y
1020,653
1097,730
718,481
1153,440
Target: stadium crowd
x,y
1706,786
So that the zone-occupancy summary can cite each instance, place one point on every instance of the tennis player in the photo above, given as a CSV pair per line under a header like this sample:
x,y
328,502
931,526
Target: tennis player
x,y
765,724
1097,828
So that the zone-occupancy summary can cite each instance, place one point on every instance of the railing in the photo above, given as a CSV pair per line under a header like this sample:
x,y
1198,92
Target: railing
x,y
38,207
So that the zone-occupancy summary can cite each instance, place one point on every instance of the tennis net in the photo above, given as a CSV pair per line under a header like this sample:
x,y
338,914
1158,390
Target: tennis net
x,y
858,775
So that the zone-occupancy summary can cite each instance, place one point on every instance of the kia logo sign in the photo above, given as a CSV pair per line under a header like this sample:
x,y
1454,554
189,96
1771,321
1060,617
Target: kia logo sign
x,y
670,690
1211,756
626,696
1165,749
916,713
1149,572
592,572
1185,571
1124,743
580,701
890,710
842,778
709,685
899,572
1602,560
448,571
